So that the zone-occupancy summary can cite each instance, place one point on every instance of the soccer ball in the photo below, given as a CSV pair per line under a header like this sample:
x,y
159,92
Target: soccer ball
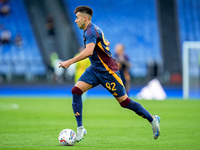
x,y
67,137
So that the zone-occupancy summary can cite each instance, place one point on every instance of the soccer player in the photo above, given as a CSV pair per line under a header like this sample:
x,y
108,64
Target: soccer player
x,y
123,63
103,70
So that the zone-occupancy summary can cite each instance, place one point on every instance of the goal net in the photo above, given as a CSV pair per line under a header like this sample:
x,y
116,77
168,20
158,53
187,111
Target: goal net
x,y
191,69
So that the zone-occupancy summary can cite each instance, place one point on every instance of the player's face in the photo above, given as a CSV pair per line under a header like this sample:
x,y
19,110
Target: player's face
x,y
119,49
80,20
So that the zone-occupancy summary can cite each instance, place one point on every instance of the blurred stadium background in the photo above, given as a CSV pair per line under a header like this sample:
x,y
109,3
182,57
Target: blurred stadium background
x,y
35,96
37,32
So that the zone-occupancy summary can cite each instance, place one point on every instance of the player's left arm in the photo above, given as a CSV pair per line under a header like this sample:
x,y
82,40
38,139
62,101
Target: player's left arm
x,y
88,51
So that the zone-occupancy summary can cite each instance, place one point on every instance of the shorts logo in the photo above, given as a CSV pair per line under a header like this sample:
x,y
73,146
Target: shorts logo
x,y
77,114
115,94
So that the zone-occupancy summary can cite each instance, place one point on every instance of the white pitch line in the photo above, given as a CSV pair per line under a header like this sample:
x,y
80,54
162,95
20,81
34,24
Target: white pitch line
x,y
9,106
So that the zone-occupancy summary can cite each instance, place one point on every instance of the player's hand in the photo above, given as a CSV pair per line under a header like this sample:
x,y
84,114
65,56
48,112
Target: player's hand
x,y
65,64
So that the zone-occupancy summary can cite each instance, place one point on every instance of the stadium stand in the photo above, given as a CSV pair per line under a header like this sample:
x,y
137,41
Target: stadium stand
x,y
24,59
133,23
189,22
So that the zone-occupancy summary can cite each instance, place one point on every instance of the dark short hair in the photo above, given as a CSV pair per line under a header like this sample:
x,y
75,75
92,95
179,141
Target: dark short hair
x,y
84,9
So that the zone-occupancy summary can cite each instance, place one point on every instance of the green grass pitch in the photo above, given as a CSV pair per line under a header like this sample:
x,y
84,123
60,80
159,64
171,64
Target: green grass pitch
x,y
34,123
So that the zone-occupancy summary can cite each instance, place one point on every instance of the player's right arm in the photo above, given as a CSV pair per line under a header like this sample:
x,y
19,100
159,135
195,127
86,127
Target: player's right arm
x,y
88,51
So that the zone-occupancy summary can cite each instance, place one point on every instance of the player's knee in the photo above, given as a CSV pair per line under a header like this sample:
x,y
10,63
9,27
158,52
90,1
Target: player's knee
x,y
76,90
125,103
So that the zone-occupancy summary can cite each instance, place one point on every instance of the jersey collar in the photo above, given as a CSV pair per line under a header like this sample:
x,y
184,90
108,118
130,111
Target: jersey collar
x,y
88,26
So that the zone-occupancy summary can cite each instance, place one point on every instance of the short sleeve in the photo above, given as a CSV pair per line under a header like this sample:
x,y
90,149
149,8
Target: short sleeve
x,y
91,38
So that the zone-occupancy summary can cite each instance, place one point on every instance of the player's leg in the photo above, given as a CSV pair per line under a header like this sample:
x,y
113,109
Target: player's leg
x,y
126,102
77,106
113,83
86,82
77,91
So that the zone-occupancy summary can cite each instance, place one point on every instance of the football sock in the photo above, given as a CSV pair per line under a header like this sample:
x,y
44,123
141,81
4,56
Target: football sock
x,y
77,104
137,108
